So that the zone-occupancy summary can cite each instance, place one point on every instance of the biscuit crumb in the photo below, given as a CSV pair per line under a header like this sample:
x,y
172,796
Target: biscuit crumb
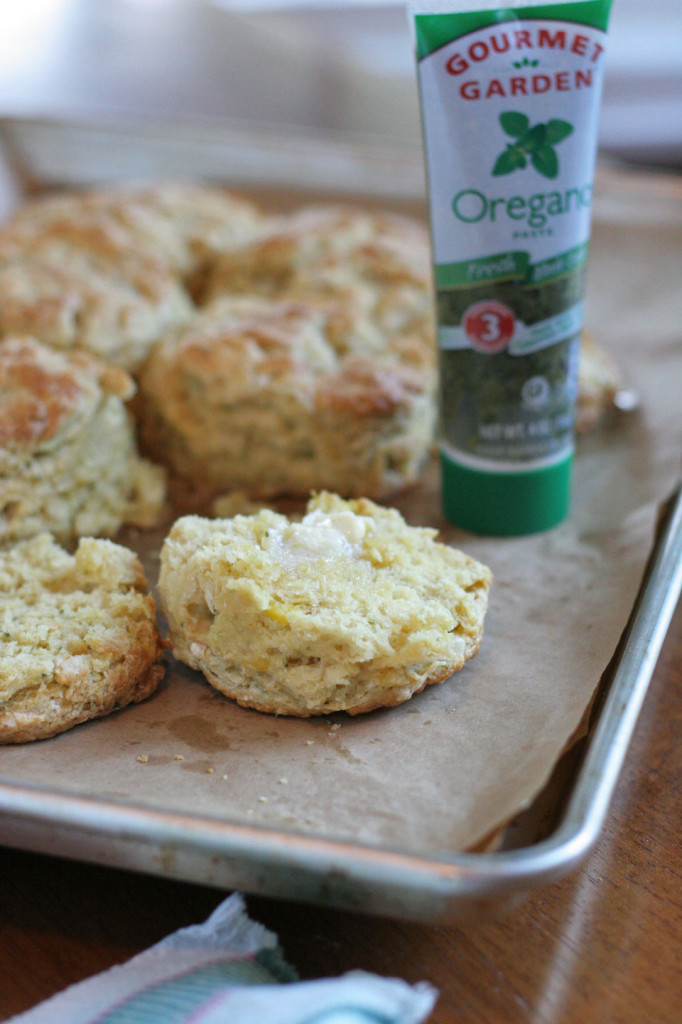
x,y
142,758
262,799
210,771
283,781
179,757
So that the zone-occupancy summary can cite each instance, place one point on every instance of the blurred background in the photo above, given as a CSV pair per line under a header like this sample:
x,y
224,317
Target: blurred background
x,y
260,90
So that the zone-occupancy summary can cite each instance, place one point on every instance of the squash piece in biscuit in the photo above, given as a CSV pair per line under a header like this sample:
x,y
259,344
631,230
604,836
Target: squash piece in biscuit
x,y
79,636
349,610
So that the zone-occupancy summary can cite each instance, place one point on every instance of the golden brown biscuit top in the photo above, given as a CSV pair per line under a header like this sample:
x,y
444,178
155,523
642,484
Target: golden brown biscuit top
x,y
113,270
370,272
365,387
71,297
236,347
41,391
241,347
316,237
165,223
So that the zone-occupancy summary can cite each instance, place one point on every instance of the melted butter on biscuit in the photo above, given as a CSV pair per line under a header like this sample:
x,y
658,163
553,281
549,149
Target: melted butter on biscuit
x,y
318,535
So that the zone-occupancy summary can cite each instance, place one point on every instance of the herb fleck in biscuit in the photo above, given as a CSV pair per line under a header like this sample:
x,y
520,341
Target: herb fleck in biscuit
x,y
350,610
69,463
78,636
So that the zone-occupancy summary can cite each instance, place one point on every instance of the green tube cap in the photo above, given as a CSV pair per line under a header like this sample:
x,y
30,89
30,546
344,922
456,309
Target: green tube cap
x,y
505,504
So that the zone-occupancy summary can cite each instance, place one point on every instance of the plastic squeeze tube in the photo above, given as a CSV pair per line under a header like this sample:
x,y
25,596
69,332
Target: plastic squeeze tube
x,y
510,98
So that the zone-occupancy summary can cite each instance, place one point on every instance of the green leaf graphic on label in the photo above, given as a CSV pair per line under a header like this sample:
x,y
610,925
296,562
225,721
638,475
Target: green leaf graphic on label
x,y
557,131
545,160
537,141
533,139
512,159
514,124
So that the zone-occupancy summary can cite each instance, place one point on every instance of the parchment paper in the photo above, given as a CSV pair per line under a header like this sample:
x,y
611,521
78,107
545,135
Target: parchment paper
x,y
443,770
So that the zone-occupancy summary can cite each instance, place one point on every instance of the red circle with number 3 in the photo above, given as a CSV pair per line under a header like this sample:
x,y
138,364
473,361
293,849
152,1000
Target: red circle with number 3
x,y
489,326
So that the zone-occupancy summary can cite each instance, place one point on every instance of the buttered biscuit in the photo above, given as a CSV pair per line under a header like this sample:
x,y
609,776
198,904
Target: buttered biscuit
x,y
69,463
282,396
79,636
349,610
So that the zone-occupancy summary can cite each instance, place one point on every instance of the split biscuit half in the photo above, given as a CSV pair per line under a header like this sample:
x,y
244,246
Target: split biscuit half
x,y
69,462
78,636
349,610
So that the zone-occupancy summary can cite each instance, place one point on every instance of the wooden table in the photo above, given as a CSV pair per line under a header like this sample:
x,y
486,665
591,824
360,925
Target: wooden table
x,y
601,947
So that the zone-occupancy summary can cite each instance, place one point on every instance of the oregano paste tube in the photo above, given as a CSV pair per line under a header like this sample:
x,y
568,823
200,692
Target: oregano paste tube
x,y
510,97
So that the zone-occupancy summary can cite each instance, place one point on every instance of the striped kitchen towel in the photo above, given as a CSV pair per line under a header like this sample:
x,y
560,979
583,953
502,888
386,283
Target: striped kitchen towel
x,y
228,970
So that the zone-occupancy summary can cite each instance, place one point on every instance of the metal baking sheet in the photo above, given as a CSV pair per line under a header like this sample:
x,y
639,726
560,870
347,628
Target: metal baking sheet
x,y
353,876
88,799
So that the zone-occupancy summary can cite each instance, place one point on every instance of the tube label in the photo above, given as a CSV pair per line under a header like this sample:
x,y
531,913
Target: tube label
x,y
510,102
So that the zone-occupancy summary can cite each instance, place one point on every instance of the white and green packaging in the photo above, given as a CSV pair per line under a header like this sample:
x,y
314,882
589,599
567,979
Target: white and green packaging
x,y
510,98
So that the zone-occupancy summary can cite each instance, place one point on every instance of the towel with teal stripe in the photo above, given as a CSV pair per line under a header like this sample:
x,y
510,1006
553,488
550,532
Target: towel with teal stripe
x,y
229,970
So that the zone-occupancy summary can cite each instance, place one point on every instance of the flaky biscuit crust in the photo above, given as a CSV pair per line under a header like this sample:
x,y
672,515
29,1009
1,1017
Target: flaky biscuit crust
x,y
79,636
267,396
68,455
112,271
175,224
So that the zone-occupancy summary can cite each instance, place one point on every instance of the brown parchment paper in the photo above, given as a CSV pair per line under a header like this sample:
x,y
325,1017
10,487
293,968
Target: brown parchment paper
x,y
440,772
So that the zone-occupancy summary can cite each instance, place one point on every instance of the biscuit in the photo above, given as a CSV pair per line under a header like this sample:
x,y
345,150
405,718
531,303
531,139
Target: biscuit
x,y
176,223
374,263
69,462
349,610
275,397
113,305
112,271
599,382
79,636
